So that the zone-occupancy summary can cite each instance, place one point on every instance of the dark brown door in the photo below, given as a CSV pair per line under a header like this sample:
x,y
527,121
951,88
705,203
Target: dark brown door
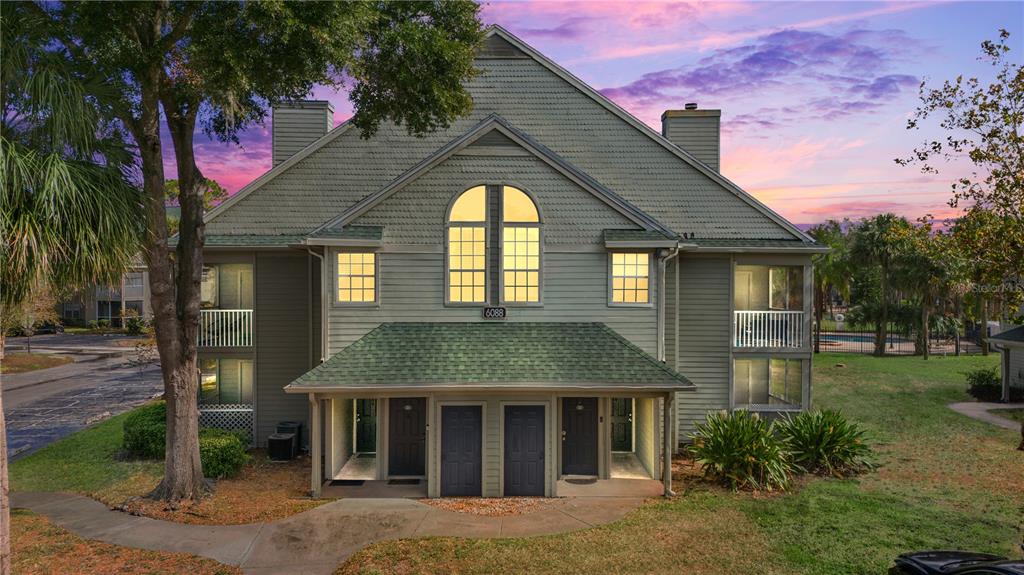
x,y
461,450
622,424
407,435
366,425
524,450
579,436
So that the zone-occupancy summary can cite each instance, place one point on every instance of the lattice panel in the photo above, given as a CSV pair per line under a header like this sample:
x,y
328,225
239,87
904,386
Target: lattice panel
x,y
229,417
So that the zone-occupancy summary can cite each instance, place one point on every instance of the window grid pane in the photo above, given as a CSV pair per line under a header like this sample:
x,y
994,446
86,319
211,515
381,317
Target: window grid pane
x,y
467,264
630,278
357,277
521,264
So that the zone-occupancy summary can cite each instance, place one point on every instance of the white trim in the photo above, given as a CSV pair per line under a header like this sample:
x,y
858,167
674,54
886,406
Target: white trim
x,y
391,390
645,129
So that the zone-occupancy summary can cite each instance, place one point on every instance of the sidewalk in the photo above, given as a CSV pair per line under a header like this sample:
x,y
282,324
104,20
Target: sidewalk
x,y
320,539
980,410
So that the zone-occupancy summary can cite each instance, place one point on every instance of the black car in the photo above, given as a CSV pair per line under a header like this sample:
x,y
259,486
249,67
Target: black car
x,y
955,563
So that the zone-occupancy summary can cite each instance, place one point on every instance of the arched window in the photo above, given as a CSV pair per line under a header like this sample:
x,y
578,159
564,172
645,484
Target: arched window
x,y
467,247
520,247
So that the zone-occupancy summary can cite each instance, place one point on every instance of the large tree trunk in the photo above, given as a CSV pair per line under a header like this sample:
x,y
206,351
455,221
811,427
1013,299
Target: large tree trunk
x,y
5,492
183,474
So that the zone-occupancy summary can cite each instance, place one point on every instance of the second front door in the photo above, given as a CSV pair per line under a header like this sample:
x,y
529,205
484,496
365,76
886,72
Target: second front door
x,y
407,435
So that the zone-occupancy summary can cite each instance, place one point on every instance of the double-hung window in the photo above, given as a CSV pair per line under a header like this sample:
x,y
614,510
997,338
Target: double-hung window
x,y
467,247
630,274
357,277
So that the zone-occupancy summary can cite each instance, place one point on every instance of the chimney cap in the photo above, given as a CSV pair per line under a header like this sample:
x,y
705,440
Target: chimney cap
x,y
690,106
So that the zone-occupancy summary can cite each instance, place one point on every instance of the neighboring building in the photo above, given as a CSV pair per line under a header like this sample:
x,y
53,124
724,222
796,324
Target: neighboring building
x,y
501,305
107,302
1010,344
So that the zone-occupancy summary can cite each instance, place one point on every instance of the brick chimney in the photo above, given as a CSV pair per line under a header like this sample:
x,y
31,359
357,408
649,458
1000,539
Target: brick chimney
x,y
696,131
297,124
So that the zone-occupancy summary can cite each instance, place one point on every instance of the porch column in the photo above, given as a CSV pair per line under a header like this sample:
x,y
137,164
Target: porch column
x,y
1006,373
314,445
666,413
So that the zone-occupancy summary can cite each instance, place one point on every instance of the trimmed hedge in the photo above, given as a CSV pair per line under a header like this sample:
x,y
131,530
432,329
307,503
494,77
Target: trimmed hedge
x,y
222,453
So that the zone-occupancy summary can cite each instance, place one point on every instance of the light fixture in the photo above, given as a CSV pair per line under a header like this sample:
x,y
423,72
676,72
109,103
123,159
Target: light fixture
x,y
579,407
407,407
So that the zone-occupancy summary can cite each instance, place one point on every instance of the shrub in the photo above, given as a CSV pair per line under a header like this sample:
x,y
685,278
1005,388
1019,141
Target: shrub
x,y
740,450
145,431
92,324
987,385
824,442
103,324
134,325
223,453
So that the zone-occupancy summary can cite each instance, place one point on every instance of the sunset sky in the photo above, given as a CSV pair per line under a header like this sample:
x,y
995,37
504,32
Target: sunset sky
x,y
814,95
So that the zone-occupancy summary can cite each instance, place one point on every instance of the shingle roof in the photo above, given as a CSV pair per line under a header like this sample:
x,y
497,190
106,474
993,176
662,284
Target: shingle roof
x,y
751,243
245,240
1015,335
498,354
351,233
636,236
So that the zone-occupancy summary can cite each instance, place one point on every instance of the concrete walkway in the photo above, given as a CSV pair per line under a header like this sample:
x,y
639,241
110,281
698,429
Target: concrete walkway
x,y
980,410
318,540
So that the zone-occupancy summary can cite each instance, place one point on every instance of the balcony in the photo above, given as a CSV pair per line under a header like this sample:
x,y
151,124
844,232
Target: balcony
x,y
225,328
769,329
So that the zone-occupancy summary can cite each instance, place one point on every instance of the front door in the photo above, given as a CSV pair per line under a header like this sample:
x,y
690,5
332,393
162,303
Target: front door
x,y
579,436
461,450
366,425
524,450
622,424
407,435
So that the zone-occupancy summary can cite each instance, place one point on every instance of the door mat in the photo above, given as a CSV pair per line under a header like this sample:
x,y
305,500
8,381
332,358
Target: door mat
x,y
403,481
346,482
582,480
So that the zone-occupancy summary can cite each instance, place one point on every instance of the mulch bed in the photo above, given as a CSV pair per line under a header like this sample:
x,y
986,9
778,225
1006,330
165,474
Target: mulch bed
x,y
491,506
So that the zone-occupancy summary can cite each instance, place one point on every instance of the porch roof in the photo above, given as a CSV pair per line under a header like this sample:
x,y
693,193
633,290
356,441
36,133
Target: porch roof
x,y
1013,337
489,356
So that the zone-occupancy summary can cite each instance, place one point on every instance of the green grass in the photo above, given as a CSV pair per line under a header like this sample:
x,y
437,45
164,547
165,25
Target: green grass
x,y
1011,414
944,481
86,462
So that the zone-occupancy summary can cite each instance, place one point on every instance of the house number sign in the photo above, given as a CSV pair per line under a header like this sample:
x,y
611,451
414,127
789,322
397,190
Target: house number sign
x,y
495,313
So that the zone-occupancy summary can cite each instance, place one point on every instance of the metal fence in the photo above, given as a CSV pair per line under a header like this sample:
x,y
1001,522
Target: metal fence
x,y
898,341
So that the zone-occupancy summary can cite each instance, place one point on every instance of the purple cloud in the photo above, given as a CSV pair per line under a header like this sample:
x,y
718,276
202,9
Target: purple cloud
x,y
569,29
839,74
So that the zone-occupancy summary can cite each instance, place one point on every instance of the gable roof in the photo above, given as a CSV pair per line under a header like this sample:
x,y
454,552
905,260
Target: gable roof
x,y
553,107
489,125
1013,337
493,355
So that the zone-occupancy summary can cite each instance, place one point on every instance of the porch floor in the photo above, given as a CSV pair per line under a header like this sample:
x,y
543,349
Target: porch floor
x,y
615,487
374,490
628,466
359,466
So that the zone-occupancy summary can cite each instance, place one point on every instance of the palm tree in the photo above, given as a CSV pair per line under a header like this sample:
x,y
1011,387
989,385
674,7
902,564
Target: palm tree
x,y
831,270
68,212
924,268
876,242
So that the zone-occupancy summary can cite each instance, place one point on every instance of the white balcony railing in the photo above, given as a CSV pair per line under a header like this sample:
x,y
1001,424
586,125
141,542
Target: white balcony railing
x,y
772,329
225,328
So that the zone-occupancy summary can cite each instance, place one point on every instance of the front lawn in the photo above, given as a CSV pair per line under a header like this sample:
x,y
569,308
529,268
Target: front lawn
x,y
38,546
945,481
22,362
90,462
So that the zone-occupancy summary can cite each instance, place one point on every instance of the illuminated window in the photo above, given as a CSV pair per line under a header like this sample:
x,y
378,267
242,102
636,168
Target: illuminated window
x,y
520,247
467,247
225,381
630,278
357,277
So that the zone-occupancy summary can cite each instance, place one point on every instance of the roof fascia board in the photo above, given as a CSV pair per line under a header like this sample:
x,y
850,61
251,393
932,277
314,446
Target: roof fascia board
x,y
495,122
640,244
292,388
277,170
343,243
754,249
644,128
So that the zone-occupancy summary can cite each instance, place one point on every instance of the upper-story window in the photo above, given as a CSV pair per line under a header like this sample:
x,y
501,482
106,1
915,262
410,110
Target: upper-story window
x,y
631,278
469,224
227,286
357,277
520,247
467,247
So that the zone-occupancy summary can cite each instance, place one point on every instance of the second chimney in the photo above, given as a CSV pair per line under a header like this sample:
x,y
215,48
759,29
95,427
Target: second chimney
x,y
696,131
297,124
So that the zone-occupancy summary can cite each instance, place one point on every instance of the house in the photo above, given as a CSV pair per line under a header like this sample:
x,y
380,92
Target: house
x,y
546,294
1010,344
108,303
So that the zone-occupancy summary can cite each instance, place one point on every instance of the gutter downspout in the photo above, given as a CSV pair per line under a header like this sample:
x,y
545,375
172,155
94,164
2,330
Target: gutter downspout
x,y
662,265
323,303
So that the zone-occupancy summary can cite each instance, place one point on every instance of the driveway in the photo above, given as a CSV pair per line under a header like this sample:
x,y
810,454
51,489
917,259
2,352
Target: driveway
x,y
46,405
